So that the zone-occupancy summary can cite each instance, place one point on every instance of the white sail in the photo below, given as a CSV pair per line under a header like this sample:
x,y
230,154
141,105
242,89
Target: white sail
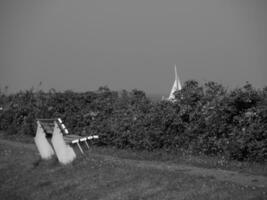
x,y
176,85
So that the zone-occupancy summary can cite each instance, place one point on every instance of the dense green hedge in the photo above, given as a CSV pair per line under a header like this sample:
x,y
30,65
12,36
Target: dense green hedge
x,y
204,118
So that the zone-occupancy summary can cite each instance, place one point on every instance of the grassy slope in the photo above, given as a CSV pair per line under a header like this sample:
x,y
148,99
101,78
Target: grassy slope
x,y
24,176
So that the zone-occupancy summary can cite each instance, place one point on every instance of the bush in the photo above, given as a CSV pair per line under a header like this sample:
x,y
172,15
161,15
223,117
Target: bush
x,y
204,119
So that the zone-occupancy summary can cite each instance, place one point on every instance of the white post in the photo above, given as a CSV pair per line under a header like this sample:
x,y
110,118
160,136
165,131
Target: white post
x,y
64,152
43,146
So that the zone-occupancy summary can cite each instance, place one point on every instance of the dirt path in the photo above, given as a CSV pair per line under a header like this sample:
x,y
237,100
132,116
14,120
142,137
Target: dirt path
x,y
218,174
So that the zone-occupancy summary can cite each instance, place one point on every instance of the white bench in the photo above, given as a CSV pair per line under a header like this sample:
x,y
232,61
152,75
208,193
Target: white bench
x,y
48,126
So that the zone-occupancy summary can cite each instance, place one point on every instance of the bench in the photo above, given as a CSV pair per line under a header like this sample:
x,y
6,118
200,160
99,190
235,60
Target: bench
x,y
48,126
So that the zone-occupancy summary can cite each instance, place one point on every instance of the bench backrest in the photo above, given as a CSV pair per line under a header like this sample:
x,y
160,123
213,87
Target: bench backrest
x,y
49,124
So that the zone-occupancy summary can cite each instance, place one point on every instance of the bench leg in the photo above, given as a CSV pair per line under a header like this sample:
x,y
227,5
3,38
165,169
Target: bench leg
x,y
87,144
80,147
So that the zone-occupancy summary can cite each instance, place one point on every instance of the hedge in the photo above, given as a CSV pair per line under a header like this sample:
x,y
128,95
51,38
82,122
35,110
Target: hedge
x,y
204,119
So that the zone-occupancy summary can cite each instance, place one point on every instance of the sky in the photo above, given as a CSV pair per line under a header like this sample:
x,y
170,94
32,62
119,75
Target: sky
x,y
126,44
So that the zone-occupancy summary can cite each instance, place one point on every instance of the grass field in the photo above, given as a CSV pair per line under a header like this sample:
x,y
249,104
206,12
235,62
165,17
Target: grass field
x,y
114,174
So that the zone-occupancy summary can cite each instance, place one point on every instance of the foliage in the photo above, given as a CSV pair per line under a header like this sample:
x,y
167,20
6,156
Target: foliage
x,y
204,119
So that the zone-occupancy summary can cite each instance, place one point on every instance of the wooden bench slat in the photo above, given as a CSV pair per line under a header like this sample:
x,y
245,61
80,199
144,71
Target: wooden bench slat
x,y
71,135
72,138
69,141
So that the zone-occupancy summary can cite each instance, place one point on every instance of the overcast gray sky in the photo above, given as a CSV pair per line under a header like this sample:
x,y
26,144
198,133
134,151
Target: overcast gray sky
x,y
127,44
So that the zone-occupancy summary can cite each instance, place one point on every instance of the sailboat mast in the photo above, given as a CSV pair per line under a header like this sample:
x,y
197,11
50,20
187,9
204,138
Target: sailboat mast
x,y
176,76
